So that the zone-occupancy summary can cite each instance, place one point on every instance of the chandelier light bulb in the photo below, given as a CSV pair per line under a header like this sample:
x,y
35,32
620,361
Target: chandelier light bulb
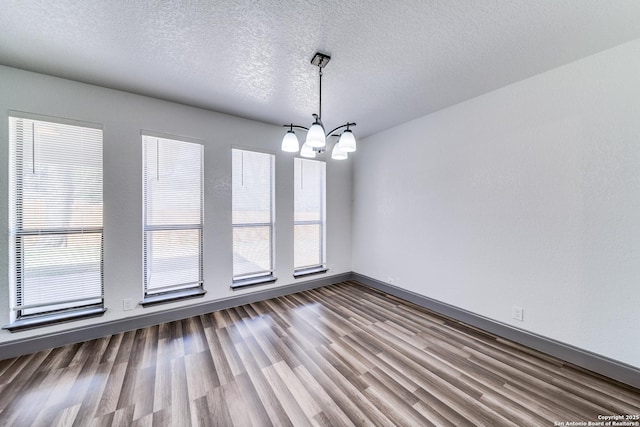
x,y
316,137
290,142
307,151
337,153
347,142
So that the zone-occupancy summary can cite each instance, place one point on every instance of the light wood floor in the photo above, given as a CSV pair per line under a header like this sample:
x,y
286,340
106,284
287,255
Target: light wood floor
x,y
338,355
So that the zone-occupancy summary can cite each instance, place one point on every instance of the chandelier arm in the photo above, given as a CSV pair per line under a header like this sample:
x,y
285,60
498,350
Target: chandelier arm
x,y
340,127
295,126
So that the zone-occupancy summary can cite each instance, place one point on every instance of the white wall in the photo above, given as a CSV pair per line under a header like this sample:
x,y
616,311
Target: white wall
x,y
528,195
124,115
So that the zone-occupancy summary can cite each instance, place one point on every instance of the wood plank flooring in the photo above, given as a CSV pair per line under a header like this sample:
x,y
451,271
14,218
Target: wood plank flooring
x,y
339,355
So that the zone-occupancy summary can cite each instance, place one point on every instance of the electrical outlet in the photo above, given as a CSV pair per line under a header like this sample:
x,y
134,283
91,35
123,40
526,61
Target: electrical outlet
x,y
517,313
127,304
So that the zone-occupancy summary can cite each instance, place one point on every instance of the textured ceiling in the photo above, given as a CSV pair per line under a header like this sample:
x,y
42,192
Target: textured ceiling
x,y
391,60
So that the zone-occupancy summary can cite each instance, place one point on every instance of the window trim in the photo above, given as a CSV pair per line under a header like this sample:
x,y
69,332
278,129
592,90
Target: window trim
x,y
54,318
183,290
307,270
253,281
19,320
172,296
265,276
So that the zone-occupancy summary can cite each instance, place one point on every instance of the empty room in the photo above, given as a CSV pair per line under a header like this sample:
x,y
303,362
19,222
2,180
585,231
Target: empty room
x,y
323,213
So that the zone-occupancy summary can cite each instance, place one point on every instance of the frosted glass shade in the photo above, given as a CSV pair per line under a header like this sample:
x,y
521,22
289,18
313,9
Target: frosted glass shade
x,y
347,142
307,151
337,153
290,142
315,136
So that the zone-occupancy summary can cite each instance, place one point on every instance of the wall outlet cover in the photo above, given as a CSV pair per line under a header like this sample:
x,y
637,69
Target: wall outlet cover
x,y
517,313
127,304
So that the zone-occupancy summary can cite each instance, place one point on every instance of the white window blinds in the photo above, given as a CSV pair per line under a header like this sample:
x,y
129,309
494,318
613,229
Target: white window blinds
x,y
55,209
172,195
252,211
309,213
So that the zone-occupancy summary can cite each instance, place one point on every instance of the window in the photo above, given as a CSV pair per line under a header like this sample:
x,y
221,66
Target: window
x,y
172,192
55,219
309,213
252,211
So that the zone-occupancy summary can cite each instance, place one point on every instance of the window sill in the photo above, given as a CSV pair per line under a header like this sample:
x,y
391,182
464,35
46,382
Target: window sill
x,y
51,319
172,296
253,281
309,272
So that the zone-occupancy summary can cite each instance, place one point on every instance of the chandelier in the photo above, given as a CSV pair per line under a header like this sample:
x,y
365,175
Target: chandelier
x,y
316,140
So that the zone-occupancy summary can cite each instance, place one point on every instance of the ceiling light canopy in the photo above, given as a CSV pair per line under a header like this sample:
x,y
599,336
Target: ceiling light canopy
x,y
316,140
